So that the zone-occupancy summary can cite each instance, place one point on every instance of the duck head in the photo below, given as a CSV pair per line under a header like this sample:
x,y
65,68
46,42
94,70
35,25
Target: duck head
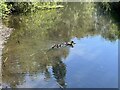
x,y
72,42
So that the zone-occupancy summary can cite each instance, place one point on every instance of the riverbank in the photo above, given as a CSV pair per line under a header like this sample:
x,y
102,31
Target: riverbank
x,y
4,33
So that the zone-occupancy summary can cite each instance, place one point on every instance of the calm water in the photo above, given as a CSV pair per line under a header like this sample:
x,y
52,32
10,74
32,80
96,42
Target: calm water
x,y
91,63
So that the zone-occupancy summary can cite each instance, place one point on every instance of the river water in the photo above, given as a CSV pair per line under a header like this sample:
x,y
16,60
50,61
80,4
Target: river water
x,y
92,62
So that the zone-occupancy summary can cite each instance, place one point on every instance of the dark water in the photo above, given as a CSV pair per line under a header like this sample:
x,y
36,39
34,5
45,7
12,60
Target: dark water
x,y
91,63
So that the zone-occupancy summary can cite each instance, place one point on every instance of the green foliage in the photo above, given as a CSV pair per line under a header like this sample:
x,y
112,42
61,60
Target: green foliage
x,y
20,7
106,6
111,8
4,10
23,7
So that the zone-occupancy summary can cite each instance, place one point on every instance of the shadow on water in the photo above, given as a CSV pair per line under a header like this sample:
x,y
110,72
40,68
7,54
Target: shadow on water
x,y
25,53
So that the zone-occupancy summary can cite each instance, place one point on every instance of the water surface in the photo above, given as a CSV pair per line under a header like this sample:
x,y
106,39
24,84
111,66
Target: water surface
x,y
91,63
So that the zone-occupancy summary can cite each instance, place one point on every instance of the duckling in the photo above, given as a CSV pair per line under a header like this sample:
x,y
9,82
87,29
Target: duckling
x,y
57,46
54,46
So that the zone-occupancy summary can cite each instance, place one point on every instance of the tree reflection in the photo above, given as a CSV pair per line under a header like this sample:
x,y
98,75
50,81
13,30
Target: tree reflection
x,y
59,70
47,74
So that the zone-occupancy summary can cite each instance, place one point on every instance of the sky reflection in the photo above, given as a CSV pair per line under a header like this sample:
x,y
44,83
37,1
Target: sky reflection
x,y
94,63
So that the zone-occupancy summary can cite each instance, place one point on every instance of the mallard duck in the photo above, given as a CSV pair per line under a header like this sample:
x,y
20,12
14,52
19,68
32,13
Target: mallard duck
x,y
63,44
70,43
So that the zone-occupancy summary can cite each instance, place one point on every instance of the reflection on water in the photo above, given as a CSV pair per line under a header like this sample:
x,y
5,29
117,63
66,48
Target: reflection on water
x,y
92,62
